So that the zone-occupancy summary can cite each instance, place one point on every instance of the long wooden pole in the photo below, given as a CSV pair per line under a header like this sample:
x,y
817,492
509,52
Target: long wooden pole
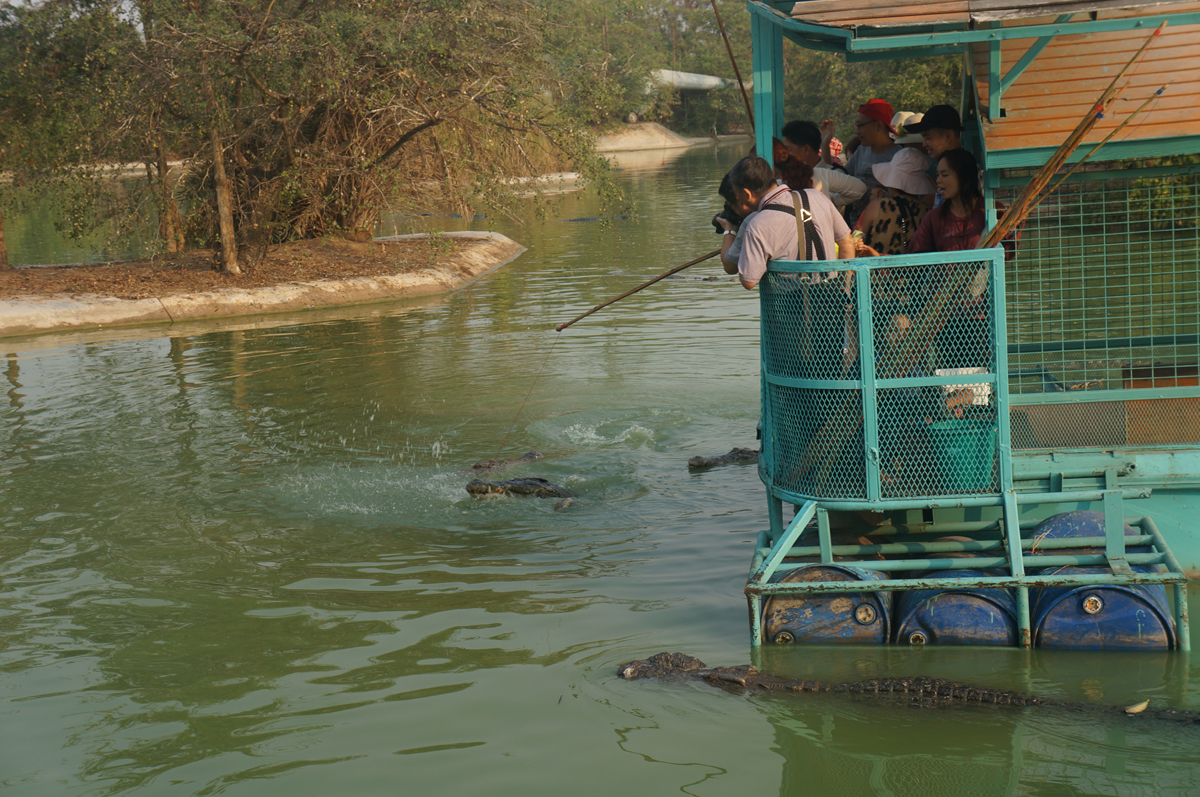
x,y
1019,211
736,71
664,275
1075,167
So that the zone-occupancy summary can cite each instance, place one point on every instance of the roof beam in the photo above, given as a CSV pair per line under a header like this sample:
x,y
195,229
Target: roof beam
x,y
912,52
947,37
1115,150
806,29
1033,52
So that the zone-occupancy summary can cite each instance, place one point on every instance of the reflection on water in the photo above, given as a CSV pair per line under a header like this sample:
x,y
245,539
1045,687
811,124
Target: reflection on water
x,y
238,557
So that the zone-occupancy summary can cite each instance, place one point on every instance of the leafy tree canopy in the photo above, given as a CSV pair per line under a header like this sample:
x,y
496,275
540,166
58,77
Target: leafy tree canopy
x,y
298,118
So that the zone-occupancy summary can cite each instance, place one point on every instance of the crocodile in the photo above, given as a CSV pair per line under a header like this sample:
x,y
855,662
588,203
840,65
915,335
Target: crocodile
x,y
529,486
490,465
736,455
919,691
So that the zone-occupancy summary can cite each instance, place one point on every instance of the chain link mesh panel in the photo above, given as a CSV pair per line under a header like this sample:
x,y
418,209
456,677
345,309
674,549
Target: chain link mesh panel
x,y
1104,294
1105,424
931,426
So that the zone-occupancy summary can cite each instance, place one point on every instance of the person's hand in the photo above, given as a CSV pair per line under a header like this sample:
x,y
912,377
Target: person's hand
x,y
727,225
826,131
862,250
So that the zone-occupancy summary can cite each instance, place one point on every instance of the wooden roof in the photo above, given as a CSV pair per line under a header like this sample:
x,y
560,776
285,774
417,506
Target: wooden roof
x,y
1054,92
894,13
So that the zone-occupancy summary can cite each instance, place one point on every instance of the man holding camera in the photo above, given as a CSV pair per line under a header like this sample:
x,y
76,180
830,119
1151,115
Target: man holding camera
x,y
769,230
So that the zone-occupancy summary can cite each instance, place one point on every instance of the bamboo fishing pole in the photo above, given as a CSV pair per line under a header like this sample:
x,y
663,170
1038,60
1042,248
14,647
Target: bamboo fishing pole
x,y
646,284
1019,211
732,60
1074,168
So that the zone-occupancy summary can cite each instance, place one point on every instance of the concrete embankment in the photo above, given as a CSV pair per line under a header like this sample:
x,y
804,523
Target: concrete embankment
x,y
653,136
37,314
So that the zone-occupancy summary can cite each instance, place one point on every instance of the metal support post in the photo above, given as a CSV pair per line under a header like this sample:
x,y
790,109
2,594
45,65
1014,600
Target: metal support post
x,y
766,41
1114,531
775,517
823,539
1182,632
1016,561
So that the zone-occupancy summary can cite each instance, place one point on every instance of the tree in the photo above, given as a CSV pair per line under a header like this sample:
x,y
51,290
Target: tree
x,y
299,119
57,76
819,85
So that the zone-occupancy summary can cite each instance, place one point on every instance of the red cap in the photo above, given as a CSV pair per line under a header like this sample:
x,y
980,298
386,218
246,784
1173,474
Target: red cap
x,y
880,111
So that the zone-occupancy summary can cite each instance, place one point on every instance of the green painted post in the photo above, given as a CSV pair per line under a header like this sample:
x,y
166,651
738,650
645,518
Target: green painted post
x,y
1016,562
755,620
994,92
1000,363
823,539
767,42
1181,618
1114,529
775,516
870,393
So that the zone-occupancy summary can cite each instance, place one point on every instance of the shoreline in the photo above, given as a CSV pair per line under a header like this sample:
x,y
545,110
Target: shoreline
x,y
651,136
41,314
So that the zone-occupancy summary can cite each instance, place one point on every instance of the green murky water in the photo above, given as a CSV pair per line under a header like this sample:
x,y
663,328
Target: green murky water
x,y
238,559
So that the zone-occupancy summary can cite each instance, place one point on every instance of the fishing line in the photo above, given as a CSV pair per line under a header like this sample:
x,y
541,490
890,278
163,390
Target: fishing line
x,y
527,395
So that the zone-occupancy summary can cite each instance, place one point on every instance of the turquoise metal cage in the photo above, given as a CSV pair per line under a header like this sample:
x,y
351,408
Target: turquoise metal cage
x,y
941,406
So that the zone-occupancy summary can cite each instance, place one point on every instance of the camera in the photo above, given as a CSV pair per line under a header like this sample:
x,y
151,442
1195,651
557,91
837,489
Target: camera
x,y
730,215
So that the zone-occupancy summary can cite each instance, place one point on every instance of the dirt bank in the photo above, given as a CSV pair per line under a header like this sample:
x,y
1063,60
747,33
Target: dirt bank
x,y
298,276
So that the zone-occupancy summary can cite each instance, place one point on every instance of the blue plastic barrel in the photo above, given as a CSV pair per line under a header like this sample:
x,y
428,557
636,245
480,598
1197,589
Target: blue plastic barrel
x,y
957,616
1099,617
1080,523
823,618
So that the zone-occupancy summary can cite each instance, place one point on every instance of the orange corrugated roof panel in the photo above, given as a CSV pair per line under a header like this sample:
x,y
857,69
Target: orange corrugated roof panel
x,y
1045,103
878,13
892,13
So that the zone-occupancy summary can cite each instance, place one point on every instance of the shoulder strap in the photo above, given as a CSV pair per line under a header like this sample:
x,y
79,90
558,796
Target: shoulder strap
x,y
781,208
807,230
800,236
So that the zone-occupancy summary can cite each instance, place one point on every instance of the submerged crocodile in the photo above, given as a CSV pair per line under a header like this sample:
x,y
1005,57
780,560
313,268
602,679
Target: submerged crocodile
x,y
919,691
737,455
489,465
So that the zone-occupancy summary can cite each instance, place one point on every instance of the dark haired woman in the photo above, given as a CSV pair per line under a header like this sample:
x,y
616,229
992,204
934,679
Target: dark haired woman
x,y
963,340
958,222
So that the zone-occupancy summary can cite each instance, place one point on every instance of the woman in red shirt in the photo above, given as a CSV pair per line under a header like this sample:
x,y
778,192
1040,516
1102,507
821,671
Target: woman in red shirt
x,y
958,222
963,339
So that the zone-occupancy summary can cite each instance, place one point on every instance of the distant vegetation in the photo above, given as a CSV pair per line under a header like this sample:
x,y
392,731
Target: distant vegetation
x,y
602,51
300,118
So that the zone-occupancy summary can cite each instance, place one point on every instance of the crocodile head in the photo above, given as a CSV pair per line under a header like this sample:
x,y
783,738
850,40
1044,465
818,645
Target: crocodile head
x,y
479,487
660,665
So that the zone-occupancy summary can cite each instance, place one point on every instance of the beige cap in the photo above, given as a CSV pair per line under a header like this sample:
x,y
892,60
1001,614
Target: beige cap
x,y
902,134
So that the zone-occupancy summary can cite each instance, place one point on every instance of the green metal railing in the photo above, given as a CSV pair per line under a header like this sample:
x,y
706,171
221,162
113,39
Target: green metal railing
x,y
883,384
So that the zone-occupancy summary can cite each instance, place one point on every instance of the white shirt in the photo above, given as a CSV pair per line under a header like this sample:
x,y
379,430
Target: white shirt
x,y
837,186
